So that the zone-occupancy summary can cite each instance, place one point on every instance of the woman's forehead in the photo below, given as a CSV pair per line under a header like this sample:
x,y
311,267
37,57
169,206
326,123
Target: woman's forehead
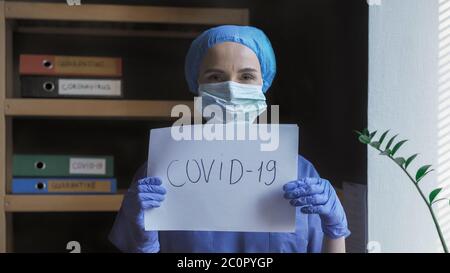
x,y
230,54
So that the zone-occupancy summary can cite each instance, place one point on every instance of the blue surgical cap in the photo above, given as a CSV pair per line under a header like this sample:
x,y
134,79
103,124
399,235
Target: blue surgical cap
x,y
250,37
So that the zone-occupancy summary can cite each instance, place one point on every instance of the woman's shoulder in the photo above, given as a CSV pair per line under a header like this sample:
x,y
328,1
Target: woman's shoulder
x,y
141,172
306,168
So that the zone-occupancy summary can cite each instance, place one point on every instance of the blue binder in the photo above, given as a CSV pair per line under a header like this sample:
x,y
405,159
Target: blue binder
x,y
64,185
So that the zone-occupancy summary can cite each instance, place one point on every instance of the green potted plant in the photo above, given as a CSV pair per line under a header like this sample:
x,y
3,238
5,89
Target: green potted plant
x,y
390,150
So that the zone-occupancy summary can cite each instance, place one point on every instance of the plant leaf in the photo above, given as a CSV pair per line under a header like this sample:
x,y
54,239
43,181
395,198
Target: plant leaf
x,y
364,139
357,132
366,132
387,152
397,146
422,172
375,144
390,142
383,136
372,135
410,159
400,161
434,194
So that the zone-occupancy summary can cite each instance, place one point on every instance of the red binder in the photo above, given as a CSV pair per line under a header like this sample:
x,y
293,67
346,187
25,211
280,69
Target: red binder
x,y
70,65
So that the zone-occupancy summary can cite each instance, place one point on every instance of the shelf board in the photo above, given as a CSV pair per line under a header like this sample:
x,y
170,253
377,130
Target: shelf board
x,y
70,203
123,13
108,32
92,108
56,203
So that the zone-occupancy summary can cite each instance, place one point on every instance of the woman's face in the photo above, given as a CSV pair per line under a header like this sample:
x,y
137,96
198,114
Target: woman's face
x,y
230,61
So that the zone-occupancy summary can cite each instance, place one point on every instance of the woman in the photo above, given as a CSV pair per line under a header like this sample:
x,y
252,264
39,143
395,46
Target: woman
x,y
233,67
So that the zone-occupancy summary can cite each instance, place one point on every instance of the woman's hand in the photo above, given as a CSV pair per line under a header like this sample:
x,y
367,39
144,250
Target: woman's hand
x,y
145,193
316,195
128,233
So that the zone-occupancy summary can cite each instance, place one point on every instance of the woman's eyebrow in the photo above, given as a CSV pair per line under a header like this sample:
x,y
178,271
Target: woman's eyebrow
x,y
213,70
247,69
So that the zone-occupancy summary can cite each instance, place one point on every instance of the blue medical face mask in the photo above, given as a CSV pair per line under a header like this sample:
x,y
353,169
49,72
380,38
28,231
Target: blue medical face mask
x,y
238,102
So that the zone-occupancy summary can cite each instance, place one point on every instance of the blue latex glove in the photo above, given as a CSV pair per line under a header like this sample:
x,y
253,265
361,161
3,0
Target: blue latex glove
x,y
145,193
128,232
317,195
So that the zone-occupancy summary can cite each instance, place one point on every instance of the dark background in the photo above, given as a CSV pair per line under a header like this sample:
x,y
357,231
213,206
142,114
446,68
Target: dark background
x,y
321,85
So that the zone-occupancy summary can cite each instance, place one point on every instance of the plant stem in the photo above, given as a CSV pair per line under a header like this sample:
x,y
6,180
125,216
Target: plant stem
x,y
436,223
429,206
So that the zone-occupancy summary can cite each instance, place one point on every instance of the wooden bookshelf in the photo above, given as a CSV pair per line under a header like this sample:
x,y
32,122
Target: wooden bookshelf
x,y
12,106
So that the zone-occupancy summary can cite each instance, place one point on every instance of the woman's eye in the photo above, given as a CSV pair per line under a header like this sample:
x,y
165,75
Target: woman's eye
x,y
214,77
248,77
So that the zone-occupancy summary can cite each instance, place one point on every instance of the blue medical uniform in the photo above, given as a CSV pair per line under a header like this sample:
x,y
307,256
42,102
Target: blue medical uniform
x,y
307,237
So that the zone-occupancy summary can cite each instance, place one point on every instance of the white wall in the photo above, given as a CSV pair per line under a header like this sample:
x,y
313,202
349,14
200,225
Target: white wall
x,y
403,96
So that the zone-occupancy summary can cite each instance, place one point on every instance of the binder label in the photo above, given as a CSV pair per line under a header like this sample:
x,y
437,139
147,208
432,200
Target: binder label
x,y
88,65
87,166
70,65
89,87
78,186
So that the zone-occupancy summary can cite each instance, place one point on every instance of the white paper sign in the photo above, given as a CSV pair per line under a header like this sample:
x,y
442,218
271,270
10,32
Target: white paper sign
x,y
223,185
